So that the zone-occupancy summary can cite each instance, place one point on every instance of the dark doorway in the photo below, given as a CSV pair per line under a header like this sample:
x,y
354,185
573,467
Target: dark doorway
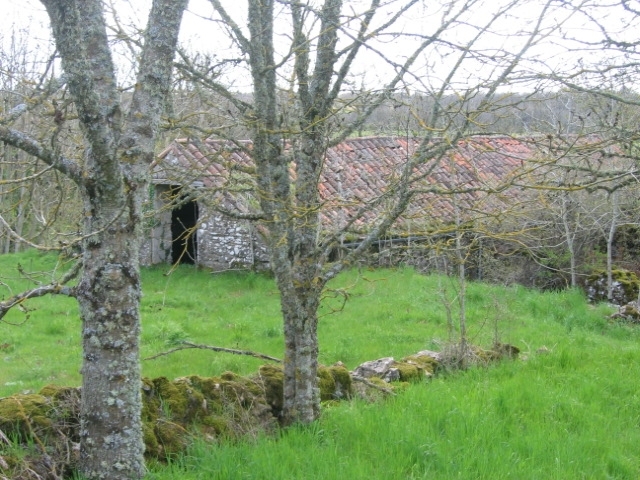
x,y
184,218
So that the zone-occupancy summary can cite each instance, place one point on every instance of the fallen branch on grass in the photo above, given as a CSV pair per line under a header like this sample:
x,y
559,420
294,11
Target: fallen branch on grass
x,y
188,345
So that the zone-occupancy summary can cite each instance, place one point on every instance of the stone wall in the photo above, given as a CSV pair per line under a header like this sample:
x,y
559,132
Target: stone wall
x,y
225,243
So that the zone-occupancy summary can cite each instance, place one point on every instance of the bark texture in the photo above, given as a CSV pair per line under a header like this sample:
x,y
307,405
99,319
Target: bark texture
x,y
113,180
291,135
292,206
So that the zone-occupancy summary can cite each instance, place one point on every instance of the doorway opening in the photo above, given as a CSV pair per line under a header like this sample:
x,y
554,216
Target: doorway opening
x,y
184,221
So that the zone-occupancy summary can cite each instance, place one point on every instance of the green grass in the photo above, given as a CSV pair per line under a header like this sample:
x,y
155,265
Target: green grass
x,y
545,418
570,413
555,416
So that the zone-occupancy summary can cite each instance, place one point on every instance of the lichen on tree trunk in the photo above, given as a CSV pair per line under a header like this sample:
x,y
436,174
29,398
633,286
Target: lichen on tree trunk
x,y
112,179
109,295
301,391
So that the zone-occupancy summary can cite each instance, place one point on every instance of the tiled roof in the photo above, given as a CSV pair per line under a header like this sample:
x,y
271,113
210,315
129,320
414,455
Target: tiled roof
x,y
361,169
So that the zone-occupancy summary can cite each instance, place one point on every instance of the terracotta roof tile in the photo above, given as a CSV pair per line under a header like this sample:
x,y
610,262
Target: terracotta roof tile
x,y
360,169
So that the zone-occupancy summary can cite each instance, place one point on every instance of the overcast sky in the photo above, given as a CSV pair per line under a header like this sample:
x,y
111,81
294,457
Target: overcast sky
x,y
27,17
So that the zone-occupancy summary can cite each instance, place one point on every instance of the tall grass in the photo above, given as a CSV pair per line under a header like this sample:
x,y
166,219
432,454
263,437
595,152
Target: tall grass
x,y
562,415
569,409
545,418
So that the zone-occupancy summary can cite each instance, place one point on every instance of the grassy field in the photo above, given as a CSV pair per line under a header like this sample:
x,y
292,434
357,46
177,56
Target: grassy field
x,y
572,412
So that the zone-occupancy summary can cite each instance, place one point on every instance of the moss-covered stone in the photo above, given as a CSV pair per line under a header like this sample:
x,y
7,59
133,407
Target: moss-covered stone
x,y
228,406
47,421
506,350
272,377
326,383
343,382
210,387
219,425
499,351
409,372
479,355
629,313
426,363
373,389
230,376
151,403
334,383
168,396
24,416
625,286
172,438
152,447
184,402
58,392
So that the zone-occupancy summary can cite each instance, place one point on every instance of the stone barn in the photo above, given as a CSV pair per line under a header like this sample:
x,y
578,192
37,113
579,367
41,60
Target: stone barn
x,y
190,194
197,184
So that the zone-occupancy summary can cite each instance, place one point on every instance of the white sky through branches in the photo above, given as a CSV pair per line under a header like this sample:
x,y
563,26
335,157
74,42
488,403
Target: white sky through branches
x,y
574,37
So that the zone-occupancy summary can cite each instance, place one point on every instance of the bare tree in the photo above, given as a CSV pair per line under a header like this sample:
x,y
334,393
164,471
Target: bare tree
x,y
600,63
597,66
112,178
31,193
300,108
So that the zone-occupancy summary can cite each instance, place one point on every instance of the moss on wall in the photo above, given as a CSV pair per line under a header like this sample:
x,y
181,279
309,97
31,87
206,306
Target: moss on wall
x,y
272,377
625,286
227,406
26,416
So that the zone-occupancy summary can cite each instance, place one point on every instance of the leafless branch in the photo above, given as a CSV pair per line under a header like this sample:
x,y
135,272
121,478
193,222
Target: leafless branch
x,y
54,288
189,345
358,378
33,147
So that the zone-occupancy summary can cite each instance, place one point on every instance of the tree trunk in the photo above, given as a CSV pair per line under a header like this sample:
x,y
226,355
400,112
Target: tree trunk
x,y
301,392
568,222
20,216
113,182
610,239
461,257
110,426
292,223
300,289
108,295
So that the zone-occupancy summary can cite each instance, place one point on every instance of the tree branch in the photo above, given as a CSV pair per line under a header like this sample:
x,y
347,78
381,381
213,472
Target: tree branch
x,y
357,378
189,345
154,79
54,288
79,30
31,146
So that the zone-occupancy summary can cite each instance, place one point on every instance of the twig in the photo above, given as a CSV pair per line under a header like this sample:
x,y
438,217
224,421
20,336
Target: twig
x,y
358,378
54,288
187,345
20,239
